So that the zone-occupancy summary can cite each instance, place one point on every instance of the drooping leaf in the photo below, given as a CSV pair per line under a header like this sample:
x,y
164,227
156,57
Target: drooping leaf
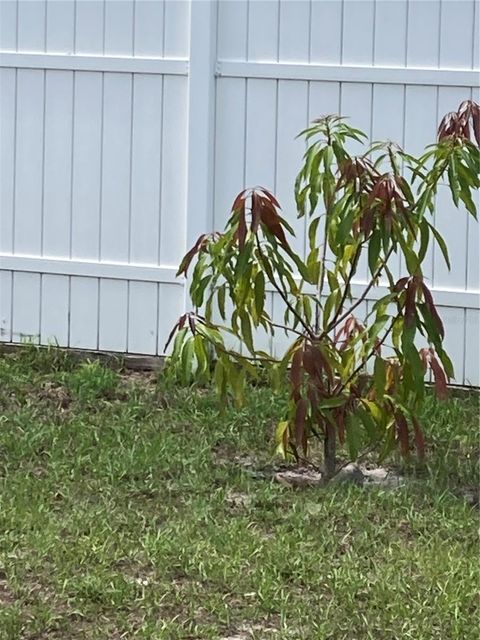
x,y
379,377
419,438
296,373
441,244
300,432
259,289
402,433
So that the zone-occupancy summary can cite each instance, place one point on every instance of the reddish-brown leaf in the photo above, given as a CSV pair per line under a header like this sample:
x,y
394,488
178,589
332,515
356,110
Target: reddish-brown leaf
x,y
270,197
171,334
419,438
424,357
476,123
321,360
255,212
402,432
239,201
242,228
296,374
271,220
188,257
300,431
441,388
191,323
308,361
400,285
410,303
433,310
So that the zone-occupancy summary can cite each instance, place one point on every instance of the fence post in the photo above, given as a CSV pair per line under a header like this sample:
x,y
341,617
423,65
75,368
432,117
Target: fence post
x,y
201,111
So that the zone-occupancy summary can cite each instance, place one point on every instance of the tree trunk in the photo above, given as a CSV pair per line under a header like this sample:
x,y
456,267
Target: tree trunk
x,y
330,447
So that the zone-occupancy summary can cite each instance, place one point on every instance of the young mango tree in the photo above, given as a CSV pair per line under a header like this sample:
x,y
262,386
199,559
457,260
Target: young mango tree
x,y
352,381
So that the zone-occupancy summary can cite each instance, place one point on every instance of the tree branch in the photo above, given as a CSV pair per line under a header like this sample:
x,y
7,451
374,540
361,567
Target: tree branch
x,y
345,315
284,295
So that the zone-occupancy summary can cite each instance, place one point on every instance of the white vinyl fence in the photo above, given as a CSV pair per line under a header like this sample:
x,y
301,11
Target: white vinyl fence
x,y
128,126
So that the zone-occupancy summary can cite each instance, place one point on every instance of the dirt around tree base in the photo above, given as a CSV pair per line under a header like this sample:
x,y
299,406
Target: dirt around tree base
x,y
359,475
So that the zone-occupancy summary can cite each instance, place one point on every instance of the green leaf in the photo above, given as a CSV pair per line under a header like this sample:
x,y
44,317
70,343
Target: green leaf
x,y
307,309
441,244
220,379
187,360
330,403
374,250
247,331
221,301
197,296
281,436
411,258
177,345
237,381
201,355
446,362
424,240
259,288
371,427
312,232
453,180
379,377
330,304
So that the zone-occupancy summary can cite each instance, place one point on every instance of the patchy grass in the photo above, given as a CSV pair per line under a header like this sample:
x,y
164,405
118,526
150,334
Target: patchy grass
x,y
124,515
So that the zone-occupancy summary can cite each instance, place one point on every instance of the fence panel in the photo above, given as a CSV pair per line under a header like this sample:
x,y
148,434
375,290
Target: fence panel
x,y
128,126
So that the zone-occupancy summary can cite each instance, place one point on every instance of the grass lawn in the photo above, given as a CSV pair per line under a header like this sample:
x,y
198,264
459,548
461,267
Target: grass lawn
x,y
124,514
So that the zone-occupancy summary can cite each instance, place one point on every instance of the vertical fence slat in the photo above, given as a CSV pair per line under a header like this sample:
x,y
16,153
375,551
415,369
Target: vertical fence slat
x,y
29,161
455,27
115,211
423,34
58,163
149,29
263,21
6,279
87,153
170,308
119,27
326,32
89,27
261,133
54,309
232,30
60,26
294,20
26,307
358,32
142,317
8,89
31,25
292,118
112,315
8,25
83,329
390,33
146,163
183,161
472,351
229,146
177,21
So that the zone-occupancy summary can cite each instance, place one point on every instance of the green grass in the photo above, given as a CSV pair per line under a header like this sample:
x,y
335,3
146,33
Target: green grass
x,y
124,515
